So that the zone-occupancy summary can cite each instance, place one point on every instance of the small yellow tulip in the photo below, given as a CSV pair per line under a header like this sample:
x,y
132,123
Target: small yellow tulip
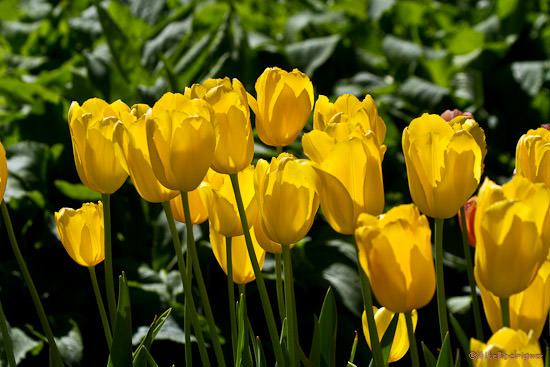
x,y
349,169
181,140
197,208
444,162
235,147
533,156
395,252
81,233
507,348
511,227
3,172
91,126
383,318
284,103
287,197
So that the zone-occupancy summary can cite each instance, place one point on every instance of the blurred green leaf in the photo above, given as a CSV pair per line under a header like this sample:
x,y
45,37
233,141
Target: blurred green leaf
x,y
530,75
328,321
308,55
465,40
22,344
76,191
429,358
423,91
377,8
71,346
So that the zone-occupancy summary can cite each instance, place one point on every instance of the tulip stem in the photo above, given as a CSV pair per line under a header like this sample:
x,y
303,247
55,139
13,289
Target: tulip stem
x,y
470,273
505,311
440,285
188,294
279,150
101,307
279,286
412,340
266,305
353,348
290,303
231,297
109,282
192,251
55,355
6,340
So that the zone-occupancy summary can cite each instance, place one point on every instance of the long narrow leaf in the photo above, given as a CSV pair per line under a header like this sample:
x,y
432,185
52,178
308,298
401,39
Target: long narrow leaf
x,y
121,350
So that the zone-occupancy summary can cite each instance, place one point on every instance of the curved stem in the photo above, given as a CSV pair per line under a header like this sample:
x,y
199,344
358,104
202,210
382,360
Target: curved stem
x,y
440,285
6,339
55,355
266,305
231,297
109,282
279,287
505,311
290,307
412,340
101,307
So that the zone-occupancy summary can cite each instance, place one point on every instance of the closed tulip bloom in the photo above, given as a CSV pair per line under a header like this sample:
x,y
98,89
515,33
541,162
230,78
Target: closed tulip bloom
x,y
528,309
533,156
444,162
181,140
235,147
241,265
130,135
264,241
395,252
197,207
91,126
511,227
521,350
383,318
347,108
3,172
349,168
470,213
81,233
284,103
287,197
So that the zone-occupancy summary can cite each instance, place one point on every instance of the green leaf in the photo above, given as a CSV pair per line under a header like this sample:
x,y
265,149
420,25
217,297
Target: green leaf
x,y
345,281
308,55
328,321
241,331
428,356
76,191
22,344
121,349
459,304
315,352
156,325
530,75
465,40
71,346
401,51
387,339
259,353
170,331
445,359
422,91
461,336
377,8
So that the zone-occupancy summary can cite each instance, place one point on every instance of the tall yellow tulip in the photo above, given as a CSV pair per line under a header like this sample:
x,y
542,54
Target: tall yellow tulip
x,y
287,197
511,227
444,162
533,156
284,103
181,140
3,172
81,233
235,148
91,126
349,169
395,252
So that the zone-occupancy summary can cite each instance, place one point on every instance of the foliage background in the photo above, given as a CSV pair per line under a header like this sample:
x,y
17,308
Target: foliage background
x,y
488,57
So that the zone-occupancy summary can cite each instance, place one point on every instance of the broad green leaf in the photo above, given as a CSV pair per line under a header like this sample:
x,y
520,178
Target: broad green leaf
x,y
22,344
309,54
422,91
121,349
530,75
377,8
76,191
400,50
328,321
428,356
345,281
464,41
71,346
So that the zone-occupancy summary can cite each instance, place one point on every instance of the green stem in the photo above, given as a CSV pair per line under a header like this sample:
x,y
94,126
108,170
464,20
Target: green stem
x,y
353,347
231,297
188,294
192,251
290,307
266,305
412,340
55,355
440,285
109,282
505,311
242,289
470,273
279,286
101,307
6,340
279,150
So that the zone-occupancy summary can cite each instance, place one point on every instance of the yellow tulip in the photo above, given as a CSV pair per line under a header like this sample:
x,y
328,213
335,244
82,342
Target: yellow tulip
x,y
181,140
3,172
91,126
349,169
511,227
528,309
241,264
383,318
130,135
235,147
81,233
507,348
347,108
533,156
284,103
444,162
197,208
287,197
395,252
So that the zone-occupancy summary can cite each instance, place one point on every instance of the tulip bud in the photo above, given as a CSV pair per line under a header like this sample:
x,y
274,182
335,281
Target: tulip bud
x,y
533,156
3,172
448,115
470,212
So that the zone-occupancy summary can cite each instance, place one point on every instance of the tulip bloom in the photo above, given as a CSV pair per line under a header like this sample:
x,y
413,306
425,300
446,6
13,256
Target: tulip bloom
x,y
533,156
395,252
349,168
197,207
507,348
130,135
287,197
3,172
181,140
470,213
528,309
235,142
91,126
284,103
511,227
348,108
81,233
383,318
444,162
